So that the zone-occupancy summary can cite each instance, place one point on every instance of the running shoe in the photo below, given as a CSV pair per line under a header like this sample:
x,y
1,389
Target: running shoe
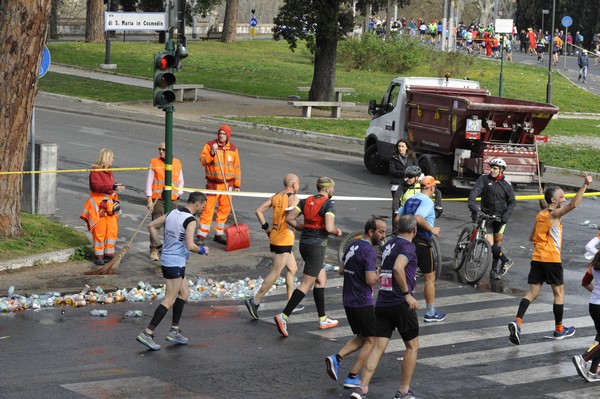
x,y
333,367
358,394
591,377
281,324
176,337
408,395
505,266
515,333
581,366
352,382
436,317
252,308
298,308
565,333
147,341
328,323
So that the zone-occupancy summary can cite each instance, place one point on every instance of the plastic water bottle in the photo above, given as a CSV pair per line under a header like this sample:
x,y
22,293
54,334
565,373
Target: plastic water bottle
x,y
11,291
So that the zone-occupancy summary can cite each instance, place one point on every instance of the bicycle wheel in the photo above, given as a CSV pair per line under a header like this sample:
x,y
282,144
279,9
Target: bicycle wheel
x,y
355,235
437,256
462,244
479,255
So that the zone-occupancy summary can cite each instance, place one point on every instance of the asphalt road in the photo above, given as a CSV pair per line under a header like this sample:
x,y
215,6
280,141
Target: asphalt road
x,y
70,354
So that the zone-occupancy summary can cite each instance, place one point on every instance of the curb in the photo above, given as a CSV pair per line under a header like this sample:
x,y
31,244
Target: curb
x,y
39,259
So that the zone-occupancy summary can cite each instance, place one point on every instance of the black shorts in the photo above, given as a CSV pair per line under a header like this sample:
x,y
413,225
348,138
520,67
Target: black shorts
x,y
400,317
496,228
173,272
281,249
314,258
361,320
545,272
424,255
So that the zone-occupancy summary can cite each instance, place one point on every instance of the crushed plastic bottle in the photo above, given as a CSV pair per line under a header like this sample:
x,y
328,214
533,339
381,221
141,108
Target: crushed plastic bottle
x,y
99,312
328,267
585,223
134,313
11,291
593,226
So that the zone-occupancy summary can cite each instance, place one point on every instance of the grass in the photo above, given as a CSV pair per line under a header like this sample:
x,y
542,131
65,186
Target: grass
x,y
41,236
341,127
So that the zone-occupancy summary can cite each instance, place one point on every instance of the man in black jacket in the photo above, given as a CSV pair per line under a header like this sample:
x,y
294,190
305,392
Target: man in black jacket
x,y
498,199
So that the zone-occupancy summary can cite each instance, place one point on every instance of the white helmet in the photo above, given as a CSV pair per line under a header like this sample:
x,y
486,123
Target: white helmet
x,y
497,162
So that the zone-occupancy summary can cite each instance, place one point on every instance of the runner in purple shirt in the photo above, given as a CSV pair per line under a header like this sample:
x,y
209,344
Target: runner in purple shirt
x,y
359,267
395,308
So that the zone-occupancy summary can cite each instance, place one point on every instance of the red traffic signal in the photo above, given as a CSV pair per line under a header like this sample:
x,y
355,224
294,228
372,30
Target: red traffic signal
x,y
165,61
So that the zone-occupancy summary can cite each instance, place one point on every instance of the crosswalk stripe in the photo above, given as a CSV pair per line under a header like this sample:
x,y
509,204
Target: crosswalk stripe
x,y
585,393
507,353
536,374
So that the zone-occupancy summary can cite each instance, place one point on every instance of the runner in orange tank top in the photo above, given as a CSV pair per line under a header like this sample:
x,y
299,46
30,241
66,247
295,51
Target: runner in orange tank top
x,y
281,238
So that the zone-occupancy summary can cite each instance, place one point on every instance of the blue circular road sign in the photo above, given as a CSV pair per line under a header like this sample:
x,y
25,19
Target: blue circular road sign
x,y
45,61
253,22
567,21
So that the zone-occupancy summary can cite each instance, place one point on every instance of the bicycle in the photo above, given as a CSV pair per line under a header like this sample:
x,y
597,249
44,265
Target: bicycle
x,y
473,252
357,235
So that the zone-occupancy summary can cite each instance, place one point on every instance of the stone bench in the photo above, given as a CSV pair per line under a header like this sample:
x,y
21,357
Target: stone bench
x,y
212,35
336,107
187,92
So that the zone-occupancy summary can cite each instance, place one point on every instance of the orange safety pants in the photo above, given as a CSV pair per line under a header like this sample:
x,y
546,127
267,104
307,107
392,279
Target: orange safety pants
x,y
207,214
105,235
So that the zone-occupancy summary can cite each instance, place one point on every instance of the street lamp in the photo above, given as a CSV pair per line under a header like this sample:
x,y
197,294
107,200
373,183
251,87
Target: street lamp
x,y
549,86
544,12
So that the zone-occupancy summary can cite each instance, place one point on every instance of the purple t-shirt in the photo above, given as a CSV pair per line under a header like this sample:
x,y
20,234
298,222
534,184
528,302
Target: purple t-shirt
x,y
360,258
390,293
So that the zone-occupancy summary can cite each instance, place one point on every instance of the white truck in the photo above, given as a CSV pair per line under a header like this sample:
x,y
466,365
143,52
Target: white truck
x,y
455,128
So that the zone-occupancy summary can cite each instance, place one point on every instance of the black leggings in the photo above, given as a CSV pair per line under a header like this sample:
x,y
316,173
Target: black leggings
x,y
593,354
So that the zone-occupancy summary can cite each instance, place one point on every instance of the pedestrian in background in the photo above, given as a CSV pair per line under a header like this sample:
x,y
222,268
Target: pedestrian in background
x,y
155,184
396,308
220,158
281,239
402,158
587,364
359,268
180,227
101,210
546,266
319,223
583,62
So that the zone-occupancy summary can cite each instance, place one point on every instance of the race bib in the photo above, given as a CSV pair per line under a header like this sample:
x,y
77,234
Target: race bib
x,y
385,281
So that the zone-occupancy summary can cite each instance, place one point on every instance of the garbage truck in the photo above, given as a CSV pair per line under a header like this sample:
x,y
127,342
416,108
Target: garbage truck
x,y
455,127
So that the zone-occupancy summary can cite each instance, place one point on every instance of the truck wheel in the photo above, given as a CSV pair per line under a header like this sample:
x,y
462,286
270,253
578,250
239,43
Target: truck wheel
x,y
427,166
373,161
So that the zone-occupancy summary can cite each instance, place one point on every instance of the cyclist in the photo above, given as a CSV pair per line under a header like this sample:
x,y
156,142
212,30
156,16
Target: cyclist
x,y
497,198
411,187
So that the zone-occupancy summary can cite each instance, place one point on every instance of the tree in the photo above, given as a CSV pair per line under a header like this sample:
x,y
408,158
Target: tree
x,y
322,24
230,21
23,31
94,21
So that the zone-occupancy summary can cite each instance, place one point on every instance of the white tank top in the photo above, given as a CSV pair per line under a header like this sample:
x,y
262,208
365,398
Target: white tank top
x,y
595,297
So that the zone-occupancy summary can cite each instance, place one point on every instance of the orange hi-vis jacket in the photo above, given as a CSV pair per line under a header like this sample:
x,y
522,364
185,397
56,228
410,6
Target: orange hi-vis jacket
x,y
158,181
228,154
94,209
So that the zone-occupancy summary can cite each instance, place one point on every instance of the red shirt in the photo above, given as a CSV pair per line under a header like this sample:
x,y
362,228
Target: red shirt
x,y
101,182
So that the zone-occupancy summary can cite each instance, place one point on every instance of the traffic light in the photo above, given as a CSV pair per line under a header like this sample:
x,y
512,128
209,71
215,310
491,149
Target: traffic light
x,y
164,79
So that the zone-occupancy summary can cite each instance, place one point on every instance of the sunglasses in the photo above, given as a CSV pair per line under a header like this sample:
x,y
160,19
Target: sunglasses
x,y
161,149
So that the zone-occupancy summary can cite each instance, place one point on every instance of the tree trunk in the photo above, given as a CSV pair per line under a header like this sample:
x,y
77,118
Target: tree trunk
x,y
230,22
323,81
54,19
23,30
94,21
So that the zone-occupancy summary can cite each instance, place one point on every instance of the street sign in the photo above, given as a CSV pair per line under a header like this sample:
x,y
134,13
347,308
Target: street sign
x,y
566,21
253,22
503,26
45,61
135,21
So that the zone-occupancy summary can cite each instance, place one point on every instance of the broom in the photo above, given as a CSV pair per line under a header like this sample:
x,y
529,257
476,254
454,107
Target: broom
x,y
110,267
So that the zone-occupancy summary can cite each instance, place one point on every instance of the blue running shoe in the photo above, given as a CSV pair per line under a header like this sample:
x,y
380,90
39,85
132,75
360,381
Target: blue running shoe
x,y
333,367
515,333
566,332
352,382
436,317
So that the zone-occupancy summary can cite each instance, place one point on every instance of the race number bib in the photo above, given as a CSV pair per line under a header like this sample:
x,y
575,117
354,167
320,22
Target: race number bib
x,y
385,281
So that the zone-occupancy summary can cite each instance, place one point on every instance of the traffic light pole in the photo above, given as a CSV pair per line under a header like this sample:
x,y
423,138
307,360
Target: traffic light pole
x,y
168,157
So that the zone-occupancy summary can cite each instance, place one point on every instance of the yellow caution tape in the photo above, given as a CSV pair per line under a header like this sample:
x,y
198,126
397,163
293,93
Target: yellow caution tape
x,y
529,197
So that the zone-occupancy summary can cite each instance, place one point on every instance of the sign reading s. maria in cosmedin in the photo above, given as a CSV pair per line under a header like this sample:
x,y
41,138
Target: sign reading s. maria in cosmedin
x,y
135,21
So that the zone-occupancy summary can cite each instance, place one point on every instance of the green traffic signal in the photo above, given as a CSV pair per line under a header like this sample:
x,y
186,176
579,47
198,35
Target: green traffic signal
x,y
164,79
